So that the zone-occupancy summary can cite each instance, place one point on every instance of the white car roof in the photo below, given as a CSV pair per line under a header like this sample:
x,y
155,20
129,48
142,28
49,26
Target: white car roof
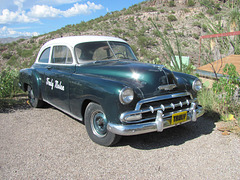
x,y
74,40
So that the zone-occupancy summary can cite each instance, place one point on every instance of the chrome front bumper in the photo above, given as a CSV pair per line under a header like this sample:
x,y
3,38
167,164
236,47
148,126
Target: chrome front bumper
x,y
161,122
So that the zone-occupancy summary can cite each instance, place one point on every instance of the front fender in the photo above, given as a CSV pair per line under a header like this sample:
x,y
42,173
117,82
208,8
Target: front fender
x,y
102,91
30,77
186,80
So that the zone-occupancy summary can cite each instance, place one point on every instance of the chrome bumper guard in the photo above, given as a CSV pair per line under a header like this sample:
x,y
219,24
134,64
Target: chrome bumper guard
x,y
161,122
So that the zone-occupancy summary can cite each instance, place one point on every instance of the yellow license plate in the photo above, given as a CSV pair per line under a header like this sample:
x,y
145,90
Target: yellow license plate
x,y
179,117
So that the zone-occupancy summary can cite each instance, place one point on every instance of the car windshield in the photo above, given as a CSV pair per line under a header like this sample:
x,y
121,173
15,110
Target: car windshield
x,y
99,51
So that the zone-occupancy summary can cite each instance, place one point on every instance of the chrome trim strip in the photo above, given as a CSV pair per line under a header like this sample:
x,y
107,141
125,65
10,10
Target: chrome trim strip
x,y
167,87
160,98
66,112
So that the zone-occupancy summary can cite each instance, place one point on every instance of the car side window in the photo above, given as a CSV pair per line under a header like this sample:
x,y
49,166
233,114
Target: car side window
x,y
44,56
61,55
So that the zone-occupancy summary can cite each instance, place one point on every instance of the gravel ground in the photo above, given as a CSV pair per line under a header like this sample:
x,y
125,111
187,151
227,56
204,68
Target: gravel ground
x,y
47,144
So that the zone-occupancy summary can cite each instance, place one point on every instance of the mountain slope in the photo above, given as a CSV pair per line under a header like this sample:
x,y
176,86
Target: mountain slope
x,y
135,26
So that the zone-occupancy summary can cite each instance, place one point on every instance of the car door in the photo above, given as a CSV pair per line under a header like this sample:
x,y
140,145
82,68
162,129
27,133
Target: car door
x,y
57,76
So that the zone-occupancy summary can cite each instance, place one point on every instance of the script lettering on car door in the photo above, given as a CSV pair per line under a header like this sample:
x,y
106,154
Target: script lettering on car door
x,y
54,84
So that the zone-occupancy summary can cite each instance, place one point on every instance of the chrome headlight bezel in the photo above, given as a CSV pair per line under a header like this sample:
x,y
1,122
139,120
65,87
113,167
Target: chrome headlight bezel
x,y
126,95
197,85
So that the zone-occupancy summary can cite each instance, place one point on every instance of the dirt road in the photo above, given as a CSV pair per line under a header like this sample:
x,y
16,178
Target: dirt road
x,y
47,144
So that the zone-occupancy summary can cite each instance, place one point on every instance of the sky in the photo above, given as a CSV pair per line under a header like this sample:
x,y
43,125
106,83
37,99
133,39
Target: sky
x,y
36,17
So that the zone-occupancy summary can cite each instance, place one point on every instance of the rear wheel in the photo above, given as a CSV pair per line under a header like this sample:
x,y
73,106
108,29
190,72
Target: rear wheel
x,y
96,126
34,101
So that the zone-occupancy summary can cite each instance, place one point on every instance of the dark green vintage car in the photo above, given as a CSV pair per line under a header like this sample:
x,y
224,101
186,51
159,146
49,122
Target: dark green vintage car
x,y
99,81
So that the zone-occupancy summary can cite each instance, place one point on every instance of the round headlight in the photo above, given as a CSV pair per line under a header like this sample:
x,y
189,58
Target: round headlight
x,y
126,95
197,85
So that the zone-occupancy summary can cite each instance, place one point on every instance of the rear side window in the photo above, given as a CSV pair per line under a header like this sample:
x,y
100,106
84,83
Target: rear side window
x,y
44,56
61,55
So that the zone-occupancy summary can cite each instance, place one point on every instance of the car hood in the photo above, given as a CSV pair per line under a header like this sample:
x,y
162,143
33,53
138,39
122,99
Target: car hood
x,y
150,79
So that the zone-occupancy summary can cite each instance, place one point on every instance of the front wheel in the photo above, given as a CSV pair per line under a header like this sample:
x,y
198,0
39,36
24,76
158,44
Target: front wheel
x,y
96,126
34,101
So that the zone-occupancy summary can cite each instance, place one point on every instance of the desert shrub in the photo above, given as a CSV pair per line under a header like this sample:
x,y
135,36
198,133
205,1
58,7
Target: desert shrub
x,y
185,44
191,3
168,27
144,41
212,7
7,55
197,24
150,9
228,84
204,28
180,34
223,97
162,11
186,10
171,3
199,16
20,40
12,61
9,82
195,36
172,18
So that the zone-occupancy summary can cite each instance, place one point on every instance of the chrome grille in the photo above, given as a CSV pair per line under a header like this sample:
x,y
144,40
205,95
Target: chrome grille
x,y
169,104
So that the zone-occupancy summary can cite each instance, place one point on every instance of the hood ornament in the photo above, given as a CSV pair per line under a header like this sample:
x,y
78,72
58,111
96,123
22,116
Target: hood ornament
x,y
160,67
167,87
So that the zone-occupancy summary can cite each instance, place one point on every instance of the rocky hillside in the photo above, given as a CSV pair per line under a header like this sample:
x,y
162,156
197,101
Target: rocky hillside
x,y
185,21
11,39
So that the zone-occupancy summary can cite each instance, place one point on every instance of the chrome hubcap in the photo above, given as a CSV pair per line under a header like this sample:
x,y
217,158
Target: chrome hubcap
x,y
99,124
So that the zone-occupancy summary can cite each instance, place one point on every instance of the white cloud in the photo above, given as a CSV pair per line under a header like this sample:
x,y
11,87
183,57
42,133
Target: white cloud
x,y
58,2
81,9
44,11
19,4
8,17
9,32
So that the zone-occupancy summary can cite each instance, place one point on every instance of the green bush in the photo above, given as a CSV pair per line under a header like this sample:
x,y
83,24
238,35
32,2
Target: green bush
x,y
172,18
168,27
200,16
9,82
180,34
162,11
212,7
185,44
171,3
144,41
204,28
191,3
12,61
195,36
186,10
227,85
150,9
223,97
197,24
7,55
